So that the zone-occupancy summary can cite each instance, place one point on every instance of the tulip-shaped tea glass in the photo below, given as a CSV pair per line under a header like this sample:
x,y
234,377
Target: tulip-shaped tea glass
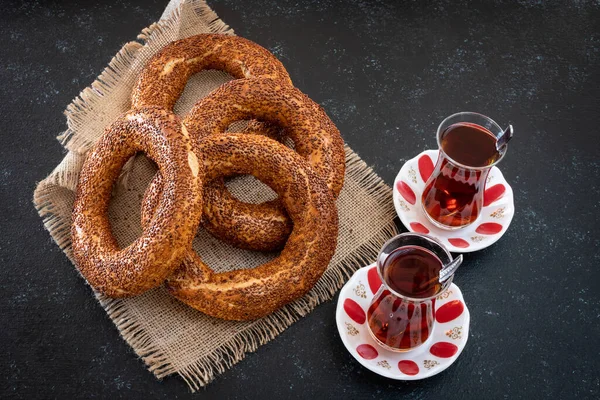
x,y
402,313
453,194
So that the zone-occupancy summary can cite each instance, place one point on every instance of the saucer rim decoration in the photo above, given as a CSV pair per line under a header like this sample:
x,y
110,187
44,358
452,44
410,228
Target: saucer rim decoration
x,y
494,220
448,334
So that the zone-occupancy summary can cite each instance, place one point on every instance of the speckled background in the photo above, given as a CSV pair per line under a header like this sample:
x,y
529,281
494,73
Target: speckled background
x,y
387,73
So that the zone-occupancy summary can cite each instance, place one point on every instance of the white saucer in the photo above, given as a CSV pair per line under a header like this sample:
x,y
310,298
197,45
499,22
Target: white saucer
x,y
493,221
448,338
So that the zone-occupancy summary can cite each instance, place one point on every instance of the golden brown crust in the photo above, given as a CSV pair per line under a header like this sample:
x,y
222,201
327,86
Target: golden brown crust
x,y
305,122
167,237
315,138
194,152
250,226
252,293
164,77
261,227
161,83
265,226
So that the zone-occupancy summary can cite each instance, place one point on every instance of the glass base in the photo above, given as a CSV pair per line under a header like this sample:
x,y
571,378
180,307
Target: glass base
x,y
440,225
394,349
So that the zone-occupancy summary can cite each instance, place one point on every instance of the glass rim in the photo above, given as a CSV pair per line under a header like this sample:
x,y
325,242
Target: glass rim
x,y
445,285
453,161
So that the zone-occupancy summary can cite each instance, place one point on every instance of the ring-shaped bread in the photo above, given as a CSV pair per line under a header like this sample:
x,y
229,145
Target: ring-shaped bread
x,y
264,226
165,75
168,235
163,80
247,294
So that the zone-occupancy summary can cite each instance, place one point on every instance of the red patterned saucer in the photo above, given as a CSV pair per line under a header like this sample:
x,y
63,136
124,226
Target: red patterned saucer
x,y
494,219
448,338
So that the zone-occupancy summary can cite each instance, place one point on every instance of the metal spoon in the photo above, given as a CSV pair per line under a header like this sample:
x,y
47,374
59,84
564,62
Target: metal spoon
x,y
446,272
504,137
450,268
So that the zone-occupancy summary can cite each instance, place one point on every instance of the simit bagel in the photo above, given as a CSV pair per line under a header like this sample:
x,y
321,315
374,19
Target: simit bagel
x,y
260,226
167,237
247,294
164,77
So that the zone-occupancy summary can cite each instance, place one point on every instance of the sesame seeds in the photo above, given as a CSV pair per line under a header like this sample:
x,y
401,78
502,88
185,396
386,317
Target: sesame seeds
x,y
304,182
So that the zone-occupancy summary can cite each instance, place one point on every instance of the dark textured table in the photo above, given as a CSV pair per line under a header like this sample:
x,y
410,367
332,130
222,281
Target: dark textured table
x,y
387,73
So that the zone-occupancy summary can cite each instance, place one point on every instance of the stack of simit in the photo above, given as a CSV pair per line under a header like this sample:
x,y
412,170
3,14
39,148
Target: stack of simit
x,y
193,157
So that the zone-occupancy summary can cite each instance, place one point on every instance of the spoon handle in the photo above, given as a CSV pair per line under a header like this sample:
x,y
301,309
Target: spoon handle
x,y
505,137
450,269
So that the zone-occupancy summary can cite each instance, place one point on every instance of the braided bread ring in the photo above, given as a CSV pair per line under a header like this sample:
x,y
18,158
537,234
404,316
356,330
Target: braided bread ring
x,y
167,237
164,77
252,293
263,226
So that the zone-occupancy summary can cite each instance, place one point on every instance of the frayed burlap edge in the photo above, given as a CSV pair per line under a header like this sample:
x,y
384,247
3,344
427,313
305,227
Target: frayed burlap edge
x,y
57,222
201,372
83,107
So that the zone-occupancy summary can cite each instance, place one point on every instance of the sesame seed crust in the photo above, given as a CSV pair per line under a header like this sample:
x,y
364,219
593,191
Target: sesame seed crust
x,y
162,81
167,237
247,294
266,226
164,77
193,157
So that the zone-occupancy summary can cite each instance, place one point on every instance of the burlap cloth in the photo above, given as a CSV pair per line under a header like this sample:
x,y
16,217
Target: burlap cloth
x,y
169,336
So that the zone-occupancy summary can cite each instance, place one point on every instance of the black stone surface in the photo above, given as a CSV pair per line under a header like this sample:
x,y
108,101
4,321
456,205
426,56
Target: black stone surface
x,y
387,73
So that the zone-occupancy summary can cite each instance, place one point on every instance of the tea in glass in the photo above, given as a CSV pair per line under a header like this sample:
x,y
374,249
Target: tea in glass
x,y
453,195
401,315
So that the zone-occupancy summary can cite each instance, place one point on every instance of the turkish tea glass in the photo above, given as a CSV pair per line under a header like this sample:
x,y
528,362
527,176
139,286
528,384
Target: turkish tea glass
x,y
453,194
402,313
